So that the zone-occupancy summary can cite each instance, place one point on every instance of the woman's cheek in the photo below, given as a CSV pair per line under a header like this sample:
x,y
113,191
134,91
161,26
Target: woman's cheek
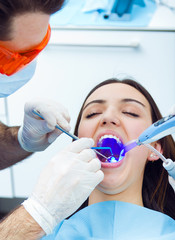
x,y
84,130
136,131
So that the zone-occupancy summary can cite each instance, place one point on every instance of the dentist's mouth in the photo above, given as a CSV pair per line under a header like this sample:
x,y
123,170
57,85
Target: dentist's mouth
x,y
112,147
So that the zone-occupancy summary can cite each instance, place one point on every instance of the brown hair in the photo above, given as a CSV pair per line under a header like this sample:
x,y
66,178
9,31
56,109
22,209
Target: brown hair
x,y
156,190
11,8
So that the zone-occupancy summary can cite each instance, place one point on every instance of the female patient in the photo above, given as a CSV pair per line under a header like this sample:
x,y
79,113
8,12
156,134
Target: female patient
x,y
134,200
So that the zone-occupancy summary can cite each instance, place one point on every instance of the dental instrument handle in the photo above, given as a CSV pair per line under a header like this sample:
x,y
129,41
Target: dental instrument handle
x,y
66,132
158,130
57,126
169,165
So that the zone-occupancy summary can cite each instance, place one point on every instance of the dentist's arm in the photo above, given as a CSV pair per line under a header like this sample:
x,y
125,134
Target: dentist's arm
x,y
10,149
35,134
64,184
20,225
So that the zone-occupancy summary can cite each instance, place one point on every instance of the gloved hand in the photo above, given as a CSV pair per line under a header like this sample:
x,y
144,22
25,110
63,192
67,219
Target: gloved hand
x,y
64,184
36,134
172,182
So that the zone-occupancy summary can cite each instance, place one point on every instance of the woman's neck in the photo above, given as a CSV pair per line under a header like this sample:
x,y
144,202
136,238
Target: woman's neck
x,y
129,196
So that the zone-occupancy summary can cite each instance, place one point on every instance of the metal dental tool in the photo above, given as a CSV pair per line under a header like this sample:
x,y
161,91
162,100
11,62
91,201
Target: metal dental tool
x,y
72,135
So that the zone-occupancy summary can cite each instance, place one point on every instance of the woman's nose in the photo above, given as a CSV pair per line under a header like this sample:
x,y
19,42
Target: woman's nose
x,y
110,119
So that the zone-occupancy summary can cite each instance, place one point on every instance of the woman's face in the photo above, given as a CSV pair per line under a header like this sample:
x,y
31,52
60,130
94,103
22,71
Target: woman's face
x,y
121,112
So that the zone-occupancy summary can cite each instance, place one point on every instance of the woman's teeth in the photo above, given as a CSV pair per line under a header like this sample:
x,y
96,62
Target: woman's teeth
x,y
115,145
109,136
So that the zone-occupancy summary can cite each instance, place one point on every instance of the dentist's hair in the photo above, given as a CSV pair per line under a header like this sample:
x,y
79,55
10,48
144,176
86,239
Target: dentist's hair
x,y
156,191
11,8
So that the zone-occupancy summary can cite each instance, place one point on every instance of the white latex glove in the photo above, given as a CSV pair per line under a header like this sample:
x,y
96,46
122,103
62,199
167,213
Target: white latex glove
x,y
172,182
36,134
65,183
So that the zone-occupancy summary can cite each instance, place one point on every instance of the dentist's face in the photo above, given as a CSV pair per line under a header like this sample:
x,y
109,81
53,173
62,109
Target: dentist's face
x,y
118,111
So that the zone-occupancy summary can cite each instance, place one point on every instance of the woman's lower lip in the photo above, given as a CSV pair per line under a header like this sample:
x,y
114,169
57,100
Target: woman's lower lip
x,y
111,165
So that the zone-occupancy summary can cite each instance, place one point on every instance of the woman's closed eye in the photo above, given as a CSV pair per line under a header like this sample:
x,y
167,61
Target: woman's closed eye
x,y
92,114
131,114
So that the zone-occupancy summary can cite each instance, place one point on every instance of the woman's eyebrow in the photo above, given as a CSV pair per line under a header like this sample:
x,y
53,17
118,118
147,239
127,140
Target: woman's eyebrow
x,y
132,100
94,101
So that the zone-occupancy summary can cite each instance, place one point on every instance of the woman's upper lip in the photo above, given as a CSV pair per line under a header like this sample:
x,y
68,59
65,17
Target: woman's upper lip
x,y
108,132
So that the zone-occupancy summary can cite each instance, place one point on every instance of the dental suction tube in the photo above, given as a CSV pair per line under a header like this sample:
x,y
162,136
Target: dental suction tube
x,y
168,164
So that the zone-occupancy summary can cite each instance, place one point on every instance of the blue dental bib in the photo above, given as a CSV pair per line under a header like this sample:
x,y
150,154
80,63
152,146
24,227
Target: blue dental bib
x,y
114,220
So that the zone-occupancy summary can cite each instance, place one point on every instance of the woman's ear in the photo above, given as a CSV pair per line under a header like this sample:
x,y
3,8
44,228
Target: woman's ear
x,y
152,156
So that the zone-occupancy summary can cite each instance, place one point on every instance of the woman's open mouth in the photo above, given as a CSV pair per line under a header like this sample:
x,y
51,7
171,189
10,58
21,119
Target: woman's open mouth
x,y
111,147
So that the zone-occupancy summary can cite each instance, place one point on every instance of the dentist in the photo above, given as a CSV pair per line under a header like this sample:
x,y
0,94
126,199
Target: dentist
x,y
72,174
24,33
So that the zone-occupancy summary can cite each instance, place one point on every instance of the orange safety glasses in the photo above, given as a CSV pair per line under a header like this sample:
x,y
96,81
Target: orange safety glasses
x,y
11,62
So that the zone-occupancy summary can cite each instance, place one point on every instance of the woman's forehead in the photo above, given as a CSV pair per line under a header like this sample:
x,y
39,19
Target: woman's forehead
x,y
117,91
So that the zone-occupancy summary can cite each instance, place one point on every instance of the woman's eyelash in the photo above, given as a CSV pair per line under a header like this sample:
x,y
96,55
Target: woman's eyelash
x,y
132,114
92,114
